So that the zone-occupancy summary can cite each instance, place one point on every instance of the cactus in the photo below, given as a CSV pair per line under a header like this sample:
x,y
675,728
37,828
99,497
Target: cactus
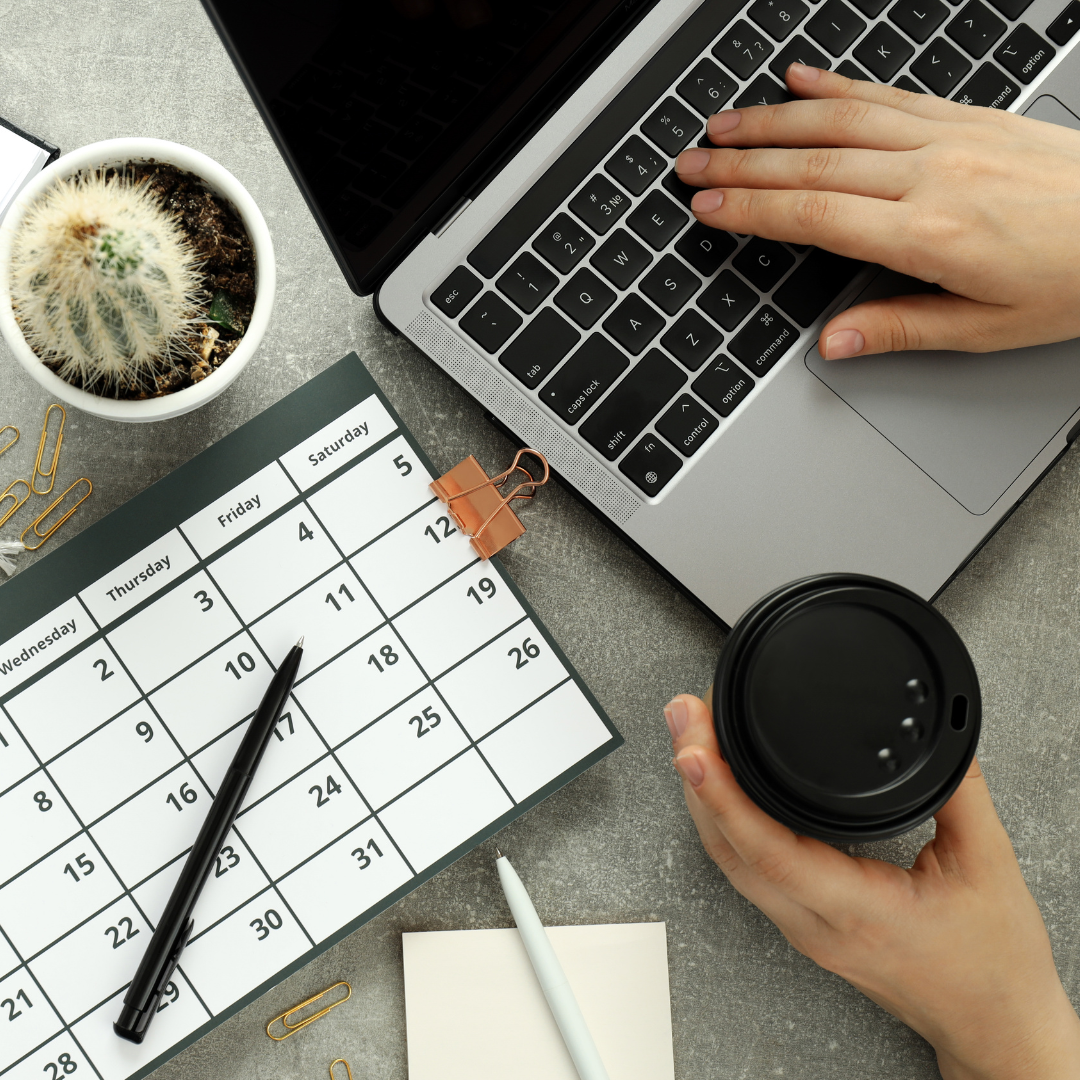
x,y
104,283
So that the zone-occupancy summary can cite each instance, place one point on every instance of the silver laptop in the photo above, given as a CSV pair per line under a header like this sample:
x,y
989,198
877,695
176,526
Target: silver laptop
x,y
500,174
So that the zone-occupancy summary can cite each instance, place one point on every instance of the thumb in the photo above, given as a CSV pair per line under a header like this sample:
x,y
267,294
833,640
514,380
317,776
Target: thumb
x,y
922,321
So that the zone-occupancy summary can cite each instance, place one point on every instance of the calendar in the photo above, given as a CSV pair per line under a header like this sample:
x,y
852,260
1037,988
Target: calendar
x,y
431,708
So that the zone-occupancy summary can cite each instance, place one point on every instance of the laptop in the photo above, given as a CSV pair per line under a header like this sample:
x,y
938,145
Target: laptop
x,y
499,174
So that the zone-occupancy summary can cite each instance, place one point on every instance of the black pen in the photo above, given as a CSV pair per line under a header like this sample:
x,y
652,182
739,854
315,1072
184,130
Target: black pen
x,y
163,953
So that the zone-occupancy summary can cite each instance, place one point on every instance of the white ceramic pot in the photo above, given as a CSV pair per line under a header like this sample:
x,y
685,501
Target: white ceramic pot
x,y
223,183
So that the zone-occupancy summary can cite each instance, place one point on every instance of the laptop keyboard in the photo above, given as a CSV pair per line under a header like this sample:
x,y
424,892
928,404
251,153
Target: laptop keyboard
x,y
642,330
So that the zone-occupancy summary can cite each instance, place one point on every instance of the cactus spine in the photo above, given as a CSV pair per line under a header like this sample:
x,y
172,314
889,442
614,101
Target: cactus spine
x,y
104,283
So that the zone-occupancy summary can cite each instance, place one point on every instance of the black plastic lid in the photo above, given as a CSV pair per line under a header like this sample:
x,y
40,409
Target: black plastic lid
x,y
847,707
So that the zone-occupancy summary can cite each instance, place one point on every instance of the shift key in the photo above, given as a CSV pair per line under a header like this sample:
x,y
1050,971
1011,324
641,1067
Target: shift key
x,y
576,387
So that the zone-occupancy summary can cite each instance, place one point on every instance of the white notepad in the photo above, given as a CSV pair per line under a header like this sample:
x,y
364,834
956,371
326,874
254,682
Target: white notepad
x,y
475,1011
20,159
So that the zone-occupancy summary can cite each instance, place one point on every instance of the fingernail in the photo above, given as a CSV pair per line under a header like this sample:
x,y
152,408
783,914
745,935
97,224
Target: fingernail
x,y
692,161
722,122
689,768
676,714
804,73
705,202
844,343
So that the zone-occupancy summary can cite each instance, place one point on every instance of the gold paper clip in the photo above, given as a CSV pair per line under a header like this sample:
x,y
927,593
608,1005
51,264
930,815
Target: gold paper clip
x,y
43,536
481,510
8,493
292,1028
12,442
49,473
339,1061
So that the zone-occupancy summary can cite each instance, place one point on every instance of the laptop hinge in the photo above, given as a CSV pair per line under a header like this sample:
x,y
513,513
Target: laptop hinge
x,y
455,212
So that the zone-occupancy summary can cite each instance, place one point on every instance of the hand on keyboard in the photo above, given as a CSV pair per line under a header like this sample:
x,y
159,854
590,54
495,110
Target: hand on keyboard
x,y
981,202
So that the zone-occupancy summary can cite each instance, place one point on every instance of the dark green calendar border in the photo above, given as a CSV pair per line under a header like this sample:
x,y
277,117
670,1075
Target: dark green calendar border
x,y
102,546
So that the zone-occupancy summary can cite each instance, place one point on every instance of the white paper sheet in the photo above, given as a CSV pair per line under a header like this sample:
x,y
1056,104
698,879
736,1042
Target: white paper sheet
x,y
474,1010
19,160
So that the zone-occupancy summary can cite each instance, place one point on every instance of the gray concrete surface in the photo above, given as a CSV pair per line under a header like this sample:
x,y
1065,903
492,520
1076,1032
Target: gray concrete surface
x,y
615,845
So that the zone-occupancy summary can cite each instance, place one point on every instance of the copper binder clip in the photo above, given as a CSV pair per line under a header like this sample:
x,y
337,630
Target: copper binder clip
x,y
476,502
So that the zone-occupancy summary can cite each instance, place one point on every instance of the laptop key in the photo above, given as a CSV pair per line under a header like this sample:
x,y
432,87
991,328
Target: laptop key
x,y
687,424
988,87
763,91
764,339
533,354
743,49
576,387
814,285
1062,29
671,126
728,300
852,71
884,51
633,324
941,66
684,193
669,284
798,51
564,243
454,294
584,298
835,27
1024,54
723,385
918,18
621,258
1011,9
871,8
490,322
635,165
778,17
692,339
763,262
527,282
976,28
600,204
707,88
650,465
623,414
657,220
910,85
705,249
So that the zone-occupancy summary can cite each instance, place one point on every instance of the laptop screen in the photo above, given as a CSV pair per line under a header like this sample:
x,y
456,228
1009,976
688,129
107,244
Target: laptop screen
x,y
389,112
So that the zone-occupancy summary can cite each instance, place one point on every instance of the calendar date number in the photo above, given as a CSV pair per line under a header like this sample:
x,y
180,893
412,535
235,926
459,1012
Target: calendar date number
x,y
529,650
12,1005
271,920
63,1064
362,857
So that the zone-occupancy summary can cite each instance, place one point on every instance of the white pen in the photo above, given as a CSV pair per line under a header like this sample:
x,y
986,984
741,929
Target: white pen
x,y
549,972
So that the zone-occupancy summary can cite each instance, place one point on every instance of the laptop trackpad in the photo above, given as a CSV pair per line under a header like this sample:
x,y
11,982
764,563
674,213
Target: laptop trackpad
x,y
972,421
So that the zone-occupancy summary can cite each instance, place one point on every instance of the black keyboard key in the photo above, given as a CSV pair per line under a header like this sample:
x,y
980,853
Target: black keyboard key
x,y
763,262
650,465
669,284
728,300
454,294
778,17
600,204
904,83
919,18
633,324
884,52
871,8
798,51
764,339
1011,9
705,249
707,88
564,243
723,385
490,322
692,339
584,298
763,91
576,387
671,126
684,193
621,258
635,165
976,28
533,354
743,49
632,404
852,71
941,67
687,424
527,282
835,27
815,285
988,87
1066,24
657,220
1024,53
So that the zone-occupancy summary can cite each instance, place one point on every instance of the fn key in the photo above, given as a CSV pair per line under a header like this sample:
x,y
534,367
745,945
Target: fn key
x,y
650,465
